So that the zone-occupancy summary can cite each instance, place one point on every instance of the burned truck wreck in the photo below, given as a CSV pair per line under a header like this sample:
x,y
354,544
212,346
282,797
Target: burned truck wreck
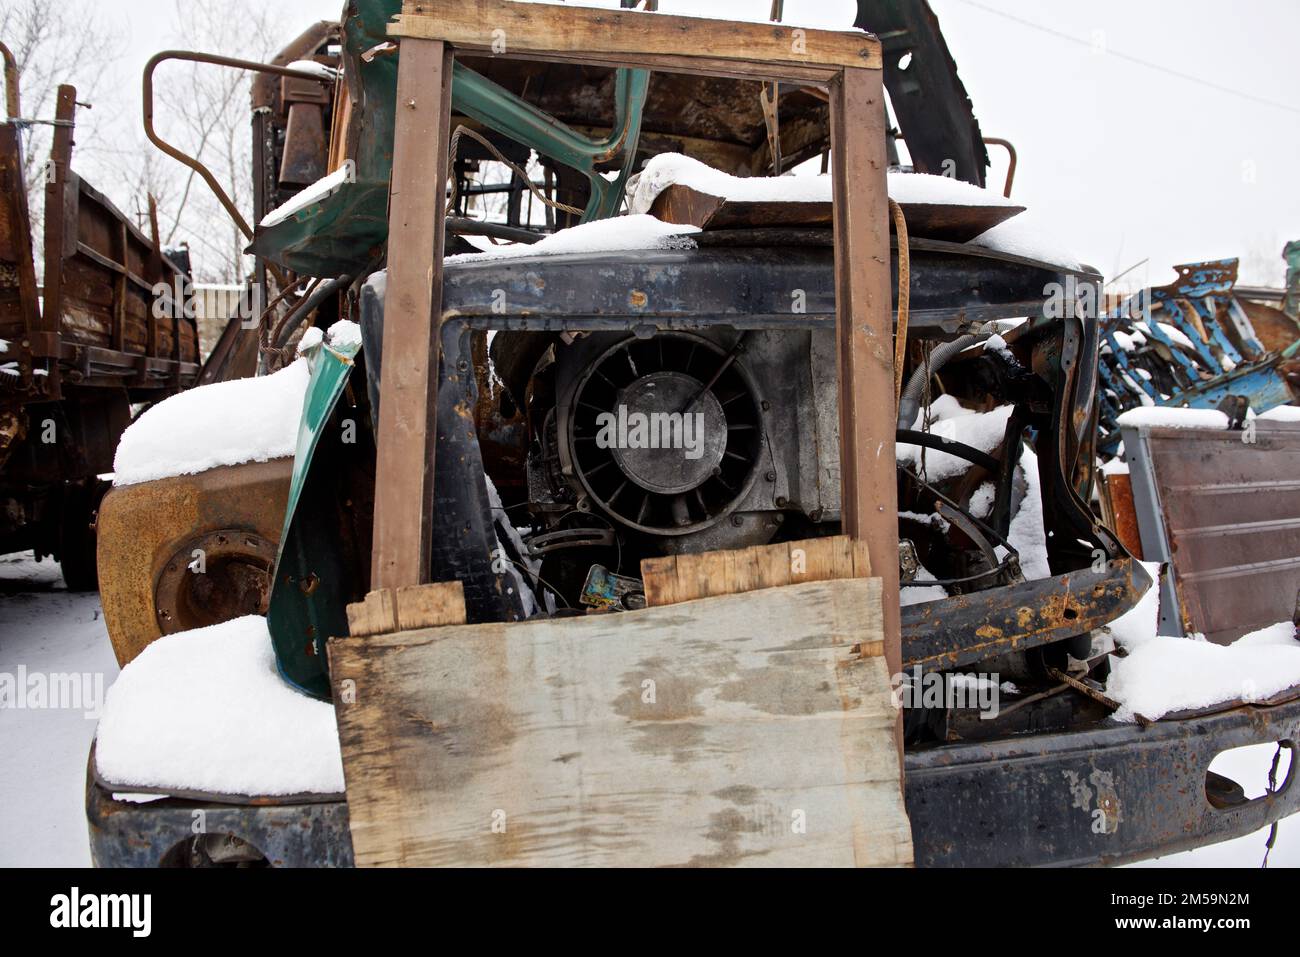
x,y
1004,566
771,393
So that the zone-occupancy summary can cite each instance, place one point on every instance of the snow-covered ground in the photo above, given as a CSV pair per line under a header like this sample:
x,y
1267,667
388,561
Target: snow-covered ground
x,y
46,629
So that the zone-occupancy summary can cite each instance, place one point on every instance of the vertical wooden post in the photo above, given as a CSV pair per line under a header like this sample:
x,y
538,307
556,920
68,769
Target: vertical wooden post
x,y
864,333
412,307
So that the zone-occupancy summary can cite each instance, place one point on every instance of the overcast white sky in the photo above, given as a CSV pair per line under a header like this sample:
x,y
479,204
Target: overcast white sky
x,y
1128,162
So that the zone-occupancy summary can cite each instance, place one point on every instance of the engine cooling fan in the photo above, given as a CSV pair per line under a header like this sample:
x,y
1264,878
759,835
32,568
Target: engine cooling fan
x,y
665,433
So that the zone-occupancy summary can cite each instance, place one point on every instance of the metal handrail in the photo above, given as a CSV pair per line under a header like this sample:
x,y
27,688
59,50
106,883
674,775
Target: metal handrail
x,y
183,157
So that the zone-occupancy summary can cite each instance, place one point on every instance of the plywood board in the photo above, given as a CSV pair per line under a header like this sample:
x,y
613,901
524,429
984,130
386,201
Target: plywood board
x,y
739,730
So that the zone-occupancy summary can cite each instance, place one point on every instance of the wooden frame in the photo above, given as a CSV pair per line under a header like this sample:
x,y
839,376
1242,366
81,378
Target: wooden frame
x,y
847,64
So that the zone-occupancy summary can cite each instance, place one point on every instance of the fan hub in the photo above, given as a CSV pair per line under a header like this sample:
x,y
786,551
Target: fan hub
x,y
664,446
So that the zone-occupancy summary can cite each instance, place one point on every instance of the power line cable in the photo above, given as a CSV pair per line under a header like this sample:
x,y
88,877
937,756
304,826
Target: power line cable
x,y
1079,41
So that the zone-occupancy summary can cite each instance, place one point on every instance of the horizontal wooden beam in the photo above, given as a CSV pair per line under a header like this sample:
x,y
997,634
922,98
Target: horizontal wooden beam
x,y
638,39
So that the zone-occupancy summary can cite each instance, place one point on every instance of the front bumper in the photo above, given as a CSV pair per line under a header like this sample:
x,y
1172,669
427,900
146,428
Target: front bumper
x,y
125,834
1109,795
1105,796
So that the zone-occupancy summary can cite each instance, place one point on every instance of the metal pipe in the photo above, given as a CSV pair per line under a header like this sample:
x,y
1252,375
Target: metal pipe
x,y
318,295
12,104
909,404
473,227
183,157
1011,152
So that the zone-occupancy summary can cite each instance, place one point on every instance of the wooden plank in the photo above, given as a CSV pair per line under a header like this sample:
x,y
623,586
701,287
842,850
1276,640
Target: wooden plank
x,y
864,332
689,577
376,614
950,222
500,26
388,610
659,576
407,414
740,730
811,77
428,606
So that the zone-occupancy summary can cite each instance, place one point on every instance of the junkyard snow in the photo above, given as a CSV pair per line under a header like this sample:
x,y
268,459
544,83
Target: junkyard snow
x,y
49,630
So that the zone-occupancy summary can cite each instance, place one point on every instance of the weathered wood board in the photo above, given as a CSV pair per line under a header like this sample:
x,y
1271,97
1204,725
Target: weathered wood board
x,y
738,730
580,31
949,222
410,606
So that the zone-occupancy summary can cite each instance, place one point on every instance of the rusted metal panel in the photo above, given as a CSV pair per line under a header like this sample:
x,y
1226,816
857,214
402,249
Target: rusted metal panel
x,y
18,303
1116,495
273,833
143,529
104,319
1224,508
965,629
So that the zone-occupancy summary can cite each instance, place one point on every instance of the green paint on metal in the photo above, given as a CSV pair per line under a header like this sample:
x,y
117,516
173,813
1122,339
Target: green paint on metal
x,y
307,606
347,229
501,111
1291,305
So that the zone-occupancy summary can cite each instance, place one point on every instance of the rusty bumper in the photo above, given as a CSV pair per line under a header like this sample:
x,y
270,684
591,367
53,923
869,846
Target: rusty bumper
x,y
1106,796
124,834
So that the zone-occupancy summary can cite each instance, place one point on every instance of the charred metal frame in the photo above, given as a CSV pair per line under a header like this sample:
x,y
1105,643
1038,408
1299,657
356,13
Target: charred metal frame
x,y
431,32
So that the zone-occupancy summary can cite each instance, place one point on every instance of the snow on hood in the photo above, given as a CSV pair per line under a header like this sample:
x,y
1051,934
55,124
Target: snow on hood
x,y
603,235
207,711
224,423
320,190
1282,413
1021,236
1028,237
675,169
